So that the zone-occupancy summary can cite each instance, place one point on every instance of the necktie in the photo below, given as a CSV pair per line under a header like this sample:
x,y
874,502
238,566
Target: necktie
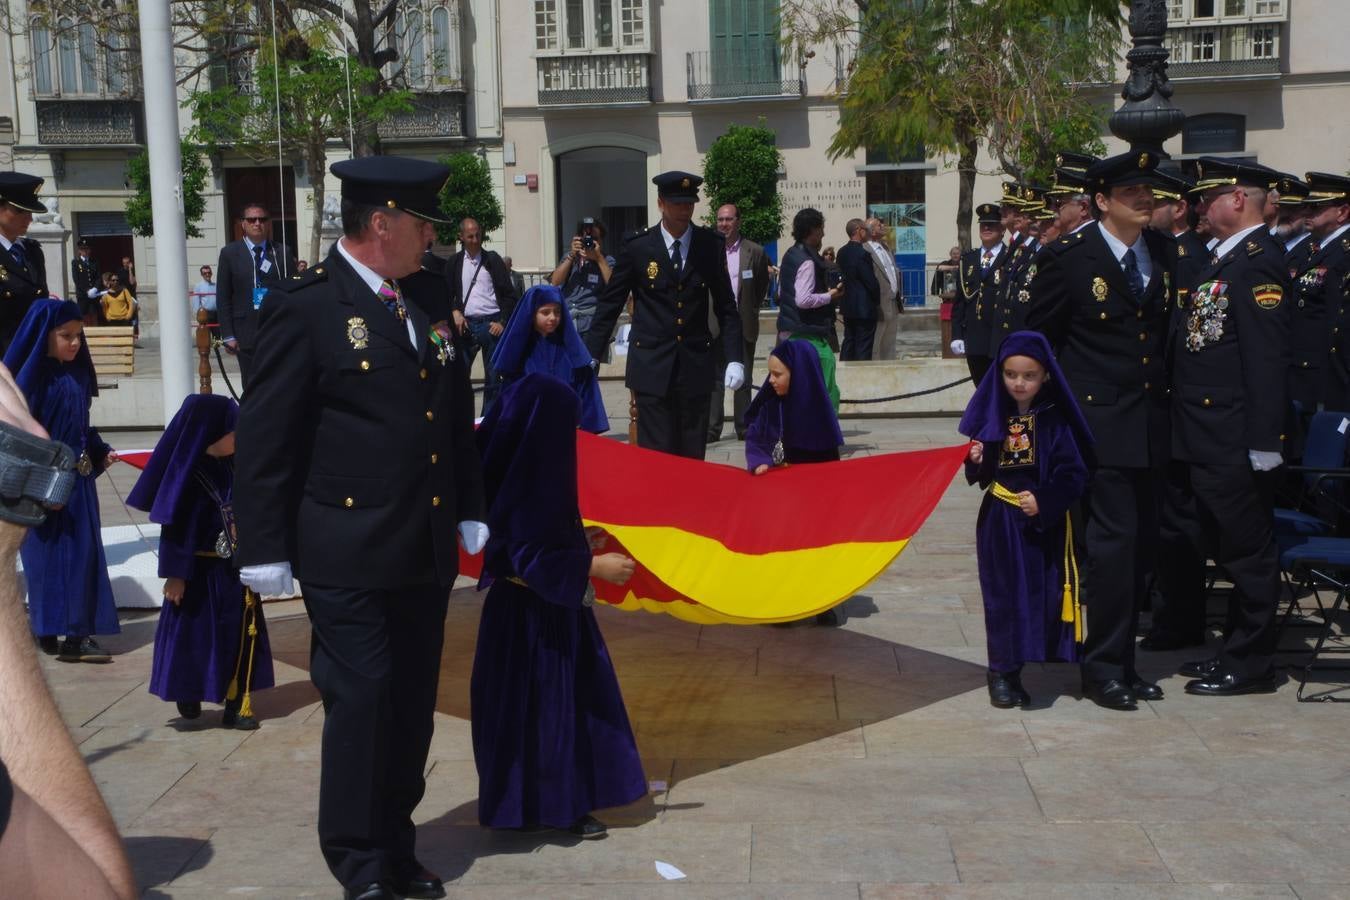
x,y
985,260
393,300
258,257
1132,275
16,249
676,262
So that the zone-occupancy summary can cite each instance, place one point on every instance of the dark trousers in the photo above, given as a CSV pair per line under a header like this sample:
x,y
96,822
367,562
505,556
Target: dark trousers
x,y
740,400
1179,597
675,424
375,656
978,365
858,335
245,356
1119,542
483,338
1237,511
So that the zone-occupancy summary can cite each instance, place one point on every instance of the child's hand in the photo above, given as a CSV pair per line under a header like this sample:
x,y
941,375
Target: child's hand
x,y
112,457
173,590
1027,500
596,537
761,469
976,452
613,567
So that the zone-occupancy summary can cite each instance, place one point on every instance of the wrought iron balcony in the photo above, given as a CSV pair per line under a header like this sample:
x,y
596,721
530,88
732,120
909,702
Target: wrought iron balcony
x,y
1224,51
724,75
78,123
598,79
437,114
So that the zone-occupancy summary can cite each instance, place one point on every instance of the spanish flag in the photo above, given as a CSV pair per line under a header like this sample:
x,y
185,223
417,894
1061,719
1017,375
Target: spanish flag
x,y
714,544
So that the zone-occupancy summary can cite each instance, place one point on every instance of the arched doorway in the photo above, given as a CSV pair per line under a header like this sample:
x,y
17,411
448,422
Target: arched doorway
x,y
607,183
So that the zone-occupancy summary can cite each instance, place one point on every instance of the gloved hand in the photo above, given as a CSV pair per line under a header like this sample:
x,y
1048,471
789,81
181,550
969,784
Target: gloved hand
x,y
959,347
1265,460
735,376
272,578
473,536
92,293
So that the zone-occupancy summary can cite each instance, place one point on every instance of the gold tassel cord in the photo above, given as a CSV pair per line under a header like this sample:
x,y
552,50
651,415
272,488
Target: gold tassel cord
x,y
233,692
1072,610
251,604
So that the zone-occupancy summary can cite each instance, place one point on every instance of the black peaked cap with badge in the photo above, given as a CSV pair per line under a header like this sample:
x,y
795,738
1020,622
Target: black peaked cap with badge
x,y
1213,172
395,182
1293,190
1323,187
1122,170
1170,185
20,190
989,214
677,187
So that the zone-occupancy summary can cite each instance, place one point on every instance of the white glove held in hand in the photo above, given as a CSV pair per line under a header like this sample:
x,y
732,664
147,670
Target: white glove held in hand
x,y
735,376
269,579
473,536
1265,460
959,347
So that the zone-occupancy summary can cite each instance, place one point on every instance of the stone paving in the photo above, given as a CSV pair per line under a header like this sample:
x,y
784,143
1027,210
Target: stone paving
x,y
803,762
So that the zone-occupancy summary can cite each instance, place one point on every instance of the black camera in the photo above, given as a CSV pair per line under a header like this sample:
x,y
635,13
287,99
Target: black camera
x,y
833,278
587,242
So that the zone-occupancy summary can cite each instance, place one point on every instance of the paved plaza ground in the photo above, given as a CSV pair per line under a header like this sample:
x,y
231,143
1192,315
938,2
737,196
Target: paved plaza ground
x,y
803,762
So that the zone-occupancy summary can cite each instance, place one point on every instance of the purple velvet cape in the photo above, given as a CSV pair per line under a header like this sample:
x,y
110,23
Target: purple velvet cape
x,y
563,354
551,736
1021,558
198,641
804,420
69,592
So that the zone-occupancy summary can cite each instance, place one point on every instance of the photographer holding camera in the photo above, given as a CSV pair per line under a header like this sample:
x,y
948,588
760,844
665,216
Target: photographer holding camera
x,y
583,272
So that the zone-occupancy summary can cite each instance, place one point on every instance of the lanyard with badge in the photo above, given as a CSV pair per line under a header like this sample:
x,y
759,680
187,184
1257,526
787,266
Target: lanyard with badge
x,y
262,268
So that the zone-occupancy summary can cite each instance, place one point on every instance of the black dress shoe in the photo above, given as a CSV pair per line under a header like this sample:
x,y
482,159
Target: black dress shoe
x,y
588,828
740,435
1161,643
230,717
1110,694
421,885
49,644
189,709
1200,668
1005,690
376,890
82,649
1145,690
1227,684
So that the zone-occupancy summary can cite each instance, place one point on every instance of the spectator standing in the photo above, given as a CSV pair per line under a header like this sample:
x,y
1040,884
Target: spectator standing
x,y
22,261
806,297
748,269
88,285
481,300
204,294
892,303
517,279
247,270
583,273
862,294
119,306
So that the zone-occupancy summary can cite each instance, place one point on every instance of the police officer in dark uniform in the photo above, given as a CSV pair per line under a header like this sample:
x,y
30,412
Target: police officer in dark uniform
x,y
87,278
674,271
1315,316
977,281
356,466
1014,288
23,269
1327,272
1228,412
1102,297
1292,224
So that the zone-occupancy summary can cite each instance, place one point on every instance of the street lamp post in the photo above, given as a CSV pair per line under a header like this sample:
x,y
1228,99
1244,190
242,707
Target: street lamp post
x,y
1147,118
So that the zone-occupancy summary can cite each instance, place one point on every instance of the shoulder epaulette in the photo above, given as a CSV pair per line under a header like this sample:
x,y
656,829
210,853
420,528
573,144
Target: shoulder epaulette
x,y
1066,242
312,275
1253,249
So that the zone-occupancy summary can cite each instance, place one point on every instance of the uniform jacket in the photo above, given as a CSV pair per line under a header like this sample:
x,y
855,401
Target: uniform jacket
x,y
84,275
1110,346
669,344
1229,359
862,294
356,455
494,268
1296,258
19,287
976,299
1013,293
1316,318
234,287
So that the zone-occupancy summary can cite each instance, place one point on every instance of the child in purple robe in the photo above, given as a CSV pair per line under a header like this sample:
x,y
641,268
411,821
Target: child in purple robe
x,y
69,593
1031,449
551,737
791,419
211,644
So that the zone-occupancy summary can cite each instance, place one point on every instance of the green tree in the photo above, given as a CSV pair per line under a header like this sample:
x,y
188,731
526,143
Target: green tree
x,y
468,195
195,173
950,76
741,167
306,93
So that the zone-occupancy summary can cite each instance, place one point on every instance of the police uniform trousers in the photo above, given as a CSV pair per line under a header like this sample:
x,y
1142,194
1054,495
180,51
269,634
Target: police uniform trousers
x,y
673,423
1237,509
978,365
1179,598
375,657
1120,525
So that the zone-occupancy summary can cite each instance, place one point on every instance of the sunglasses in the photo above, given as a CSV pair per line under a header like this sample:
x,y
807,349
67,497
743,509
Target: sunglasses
x,y
255,220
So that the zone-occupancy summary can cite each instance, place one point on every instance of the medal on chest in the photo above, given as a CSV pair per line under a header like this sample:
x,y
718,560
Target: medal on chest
x,y
439,335
1209,310
1314,277
1024,295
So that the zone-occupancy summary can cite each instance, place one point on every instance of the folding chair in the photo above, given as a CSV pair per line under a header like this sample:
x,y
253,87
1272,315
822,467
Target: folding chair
x,y
1324,561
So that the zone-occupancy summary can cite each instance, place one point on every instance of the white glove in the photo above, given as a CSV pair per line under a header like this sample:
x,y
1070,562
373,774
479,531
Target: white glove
x,y
270,579
1265,460
92,293
473,536
959,347
735,376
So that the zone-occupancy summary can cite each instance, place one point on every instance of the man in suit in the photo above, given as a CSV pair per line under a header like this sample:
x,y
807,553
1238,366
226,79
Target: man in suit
x,y
1102,296
248,268
481,298
88,283
23,269
1229,364
891,303
355,469
748,269
862,294
978,278
674,271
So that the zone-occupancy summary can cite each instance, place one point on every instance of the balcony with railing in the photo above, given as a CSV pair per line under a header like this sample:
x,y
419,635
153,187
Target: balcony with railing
x,y
1224,51
716,75
434,114
595,79
89,122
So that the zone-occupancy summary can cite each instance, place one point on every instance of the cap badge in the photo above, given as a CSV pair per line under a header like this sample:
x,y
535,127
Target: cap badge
x,y
358,333
1099,289
684,182
1143,160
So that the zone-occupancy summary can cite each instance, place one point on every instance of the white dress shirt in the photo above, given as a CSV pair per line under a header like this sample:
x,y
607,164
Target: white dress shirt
x,y
1140,248
684,241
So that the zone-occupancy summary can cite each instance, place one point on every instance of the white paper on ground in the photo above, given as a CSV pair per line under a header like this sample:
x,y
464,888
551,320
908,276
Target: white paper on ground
x,y
668,872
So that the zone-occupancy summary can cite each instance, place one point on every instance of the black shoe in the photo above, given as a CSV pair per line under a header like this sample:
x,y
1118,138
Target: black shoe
x,y
230,718
376,890
1200,668
714,437
588,828
1227,684
421,885
49,644
189,709
1110,694
74,649
831,618
1162,642
1145,690
1005,690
